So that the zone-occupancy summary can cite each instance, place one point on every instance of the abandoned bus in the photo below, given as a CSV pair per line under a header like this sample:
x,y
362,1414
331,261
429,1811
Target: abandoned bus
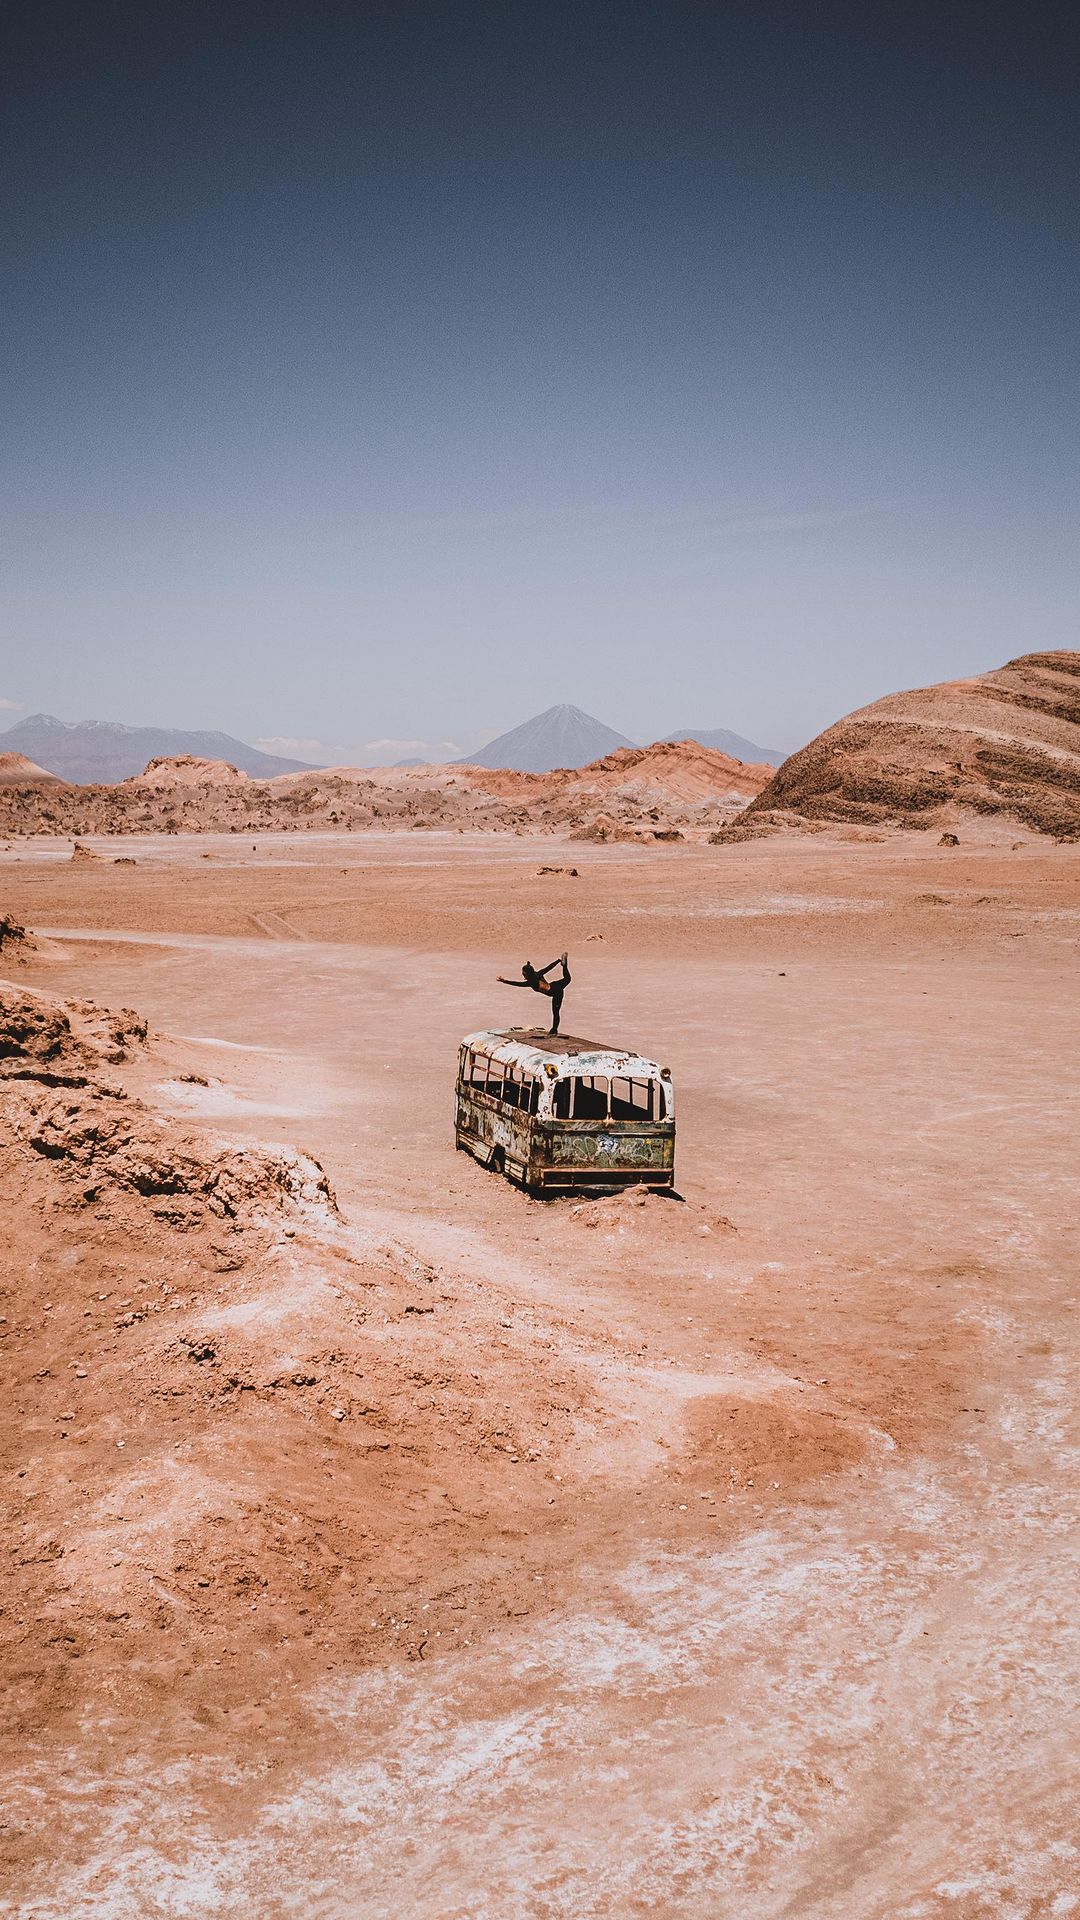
x,y
553,1112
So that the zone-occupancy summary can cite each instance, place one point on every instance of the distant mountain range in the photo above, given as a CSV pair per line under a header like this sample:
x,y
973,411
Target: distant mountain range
x,y
732,744
92,751
567,737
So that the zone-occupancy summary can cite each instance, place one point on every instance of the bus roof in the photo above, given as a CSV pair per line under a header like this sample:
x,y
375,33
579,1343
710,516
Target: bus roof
x,y
534,1049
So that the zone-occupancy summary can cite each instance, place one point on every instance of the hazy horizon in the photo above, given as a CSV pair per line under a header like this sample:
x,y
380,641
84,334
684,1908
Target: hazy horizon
x,y
381,377
378,751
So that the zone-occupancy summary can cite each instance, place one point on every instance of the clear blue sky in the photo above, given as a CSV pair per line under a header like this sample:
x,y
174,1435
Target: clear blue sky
x,y
387,373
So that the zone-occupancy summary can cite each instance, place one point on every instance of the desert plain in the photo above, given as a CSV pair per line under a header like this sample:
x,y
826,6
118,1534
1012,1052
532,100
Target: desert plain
x,y
395,1544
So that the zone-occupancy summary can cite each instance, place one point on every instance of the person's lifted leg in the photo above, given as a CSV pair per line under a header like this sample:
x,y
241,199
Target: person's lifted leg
x,y
557,988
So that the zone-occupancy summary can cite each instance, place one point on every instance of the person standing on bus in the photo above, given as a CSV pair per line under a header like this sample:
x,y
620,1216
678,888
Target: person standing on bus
x,y
538,981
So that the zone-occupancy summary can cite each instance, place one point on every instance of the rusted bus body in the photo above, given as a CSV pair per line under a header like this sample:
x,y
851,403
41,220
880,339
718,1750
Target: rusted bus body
x,y
554,1112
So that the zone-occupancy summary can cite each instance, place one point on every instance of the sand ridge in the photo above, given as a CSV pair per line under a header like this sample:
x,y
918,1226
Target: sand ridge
x,y
1004,744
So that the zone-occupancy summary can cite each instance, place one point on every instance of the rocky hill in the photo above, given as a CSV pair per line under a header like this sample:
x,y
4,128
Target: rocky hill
x,y
188,770
1005,743
16,771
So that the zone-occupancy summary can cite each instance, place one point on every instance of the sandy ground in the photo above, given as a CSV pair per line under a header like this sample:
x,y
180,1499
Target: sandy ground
x,y
759,1598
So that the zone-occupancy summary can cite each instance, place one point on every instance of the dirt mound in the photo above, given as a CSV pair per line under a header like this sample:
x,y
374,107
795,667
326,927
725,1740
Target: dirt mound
x,y
16,771
60,1103
187,770
15,943
1006,743
43,1040
100,1145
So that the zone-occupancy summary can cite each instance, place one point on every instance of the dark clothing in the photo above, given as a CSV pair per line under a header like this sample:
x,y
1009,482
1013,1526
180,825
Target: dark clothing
x,y
554,989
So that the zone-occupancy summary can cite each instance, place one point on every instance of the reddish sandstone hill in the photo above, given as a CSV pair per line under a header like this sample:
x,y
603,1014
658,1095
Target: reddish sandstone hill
x,y
675,770
1006,743
668,771
16,771
188,770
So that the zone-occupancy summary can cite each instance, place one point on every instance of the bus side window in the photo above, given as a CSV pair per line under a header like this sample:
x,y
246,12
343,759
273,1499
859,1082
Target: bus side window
x,y
534,1093
560,1100
480,1065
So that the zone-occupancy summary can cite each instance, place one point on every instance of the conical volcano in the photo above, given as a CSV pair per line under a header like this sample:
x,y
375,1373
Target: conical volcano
x,y
561,737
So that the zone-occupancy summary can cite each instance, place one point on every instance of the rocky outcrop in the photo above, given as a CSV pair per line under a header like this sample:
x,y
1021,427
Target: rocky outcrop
x,y
58,1101
1005,743
188,770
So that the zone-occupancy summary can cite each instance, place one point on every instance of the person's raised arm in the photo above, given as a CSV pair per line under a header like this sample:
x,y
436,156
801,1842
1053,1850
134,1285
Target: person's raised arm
x,y
504,982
